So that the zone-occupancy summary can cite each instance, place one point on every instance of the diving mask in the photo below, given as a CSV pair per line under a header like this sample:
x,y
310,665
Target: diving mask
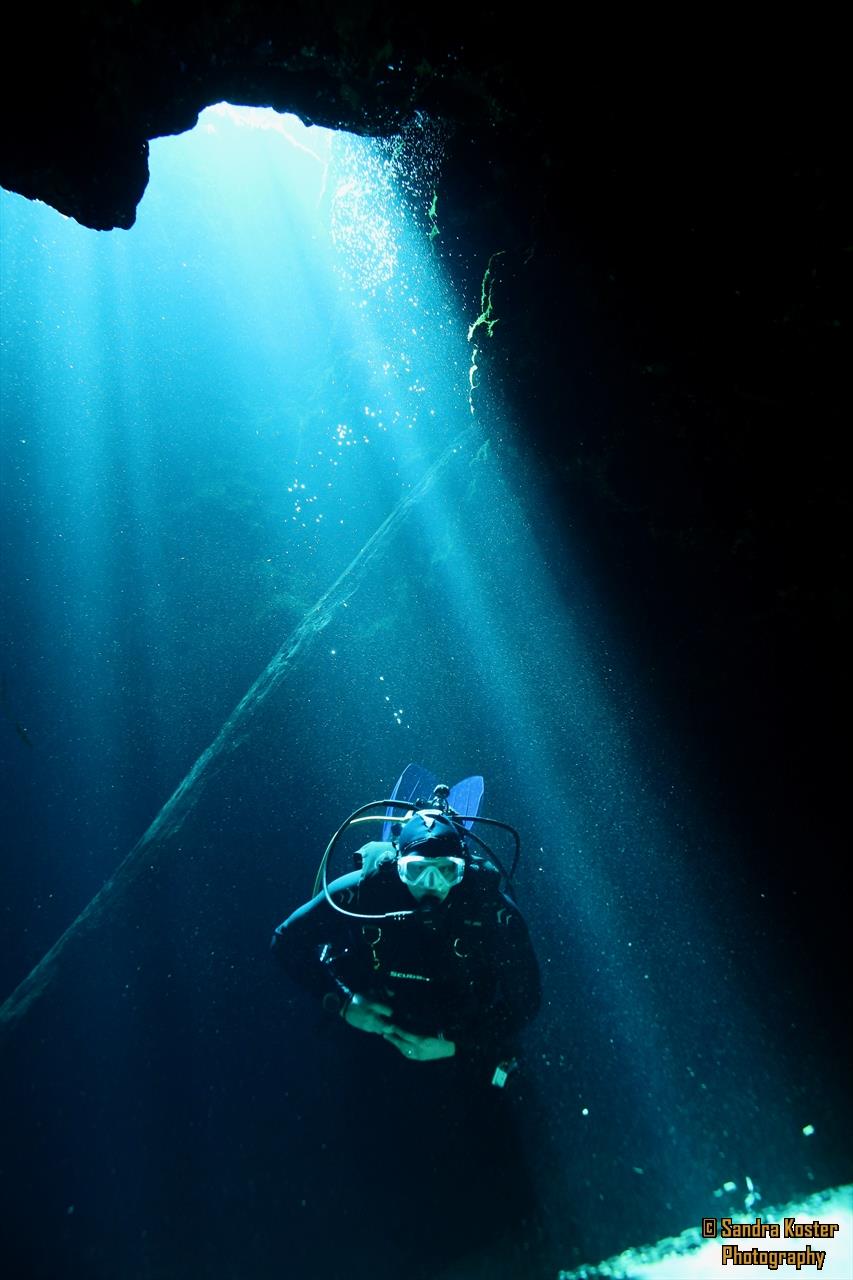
x,y
433,874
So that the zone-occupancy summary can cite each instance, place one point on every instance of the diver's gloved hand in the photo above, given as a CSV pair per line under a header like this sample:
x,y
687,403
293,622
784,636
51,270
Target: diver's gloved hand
x,y
420,1048
368,1015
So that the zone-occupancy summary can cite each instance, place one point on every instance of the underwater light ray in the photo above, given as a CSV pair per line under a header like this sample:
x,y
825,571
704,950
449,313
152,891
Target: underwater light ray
x,y
233,733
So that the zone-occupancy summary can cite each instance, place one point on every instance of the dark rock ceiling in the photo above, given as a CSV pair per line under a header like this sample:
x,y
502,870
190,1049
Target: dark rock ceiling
x,y
673,337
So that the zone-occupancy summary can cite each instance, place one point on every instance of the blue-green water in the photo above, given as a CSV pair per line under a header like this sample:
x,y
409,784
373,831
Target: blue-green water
x,y
265,389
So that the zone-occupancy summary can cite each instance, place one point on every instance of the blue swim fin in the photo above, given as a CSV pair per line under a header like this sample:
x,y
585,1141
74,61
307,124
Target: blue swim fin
x,y
465,797
418,783
414,783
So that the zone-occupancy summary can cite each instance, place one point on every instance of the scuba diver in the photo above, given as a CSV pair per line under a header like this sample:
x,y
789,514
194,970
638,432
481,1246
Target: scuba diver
x,y
421,945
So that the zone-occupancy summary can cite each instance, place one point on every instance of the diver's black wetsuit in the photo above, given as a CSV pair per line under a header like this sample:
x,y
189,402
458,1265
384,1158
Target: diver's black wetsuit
x,y
464,969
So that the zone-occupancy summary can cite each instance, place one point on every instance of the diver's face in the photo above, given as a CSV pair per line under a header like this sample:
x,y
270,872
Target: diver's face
x,y
429,880
423,894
